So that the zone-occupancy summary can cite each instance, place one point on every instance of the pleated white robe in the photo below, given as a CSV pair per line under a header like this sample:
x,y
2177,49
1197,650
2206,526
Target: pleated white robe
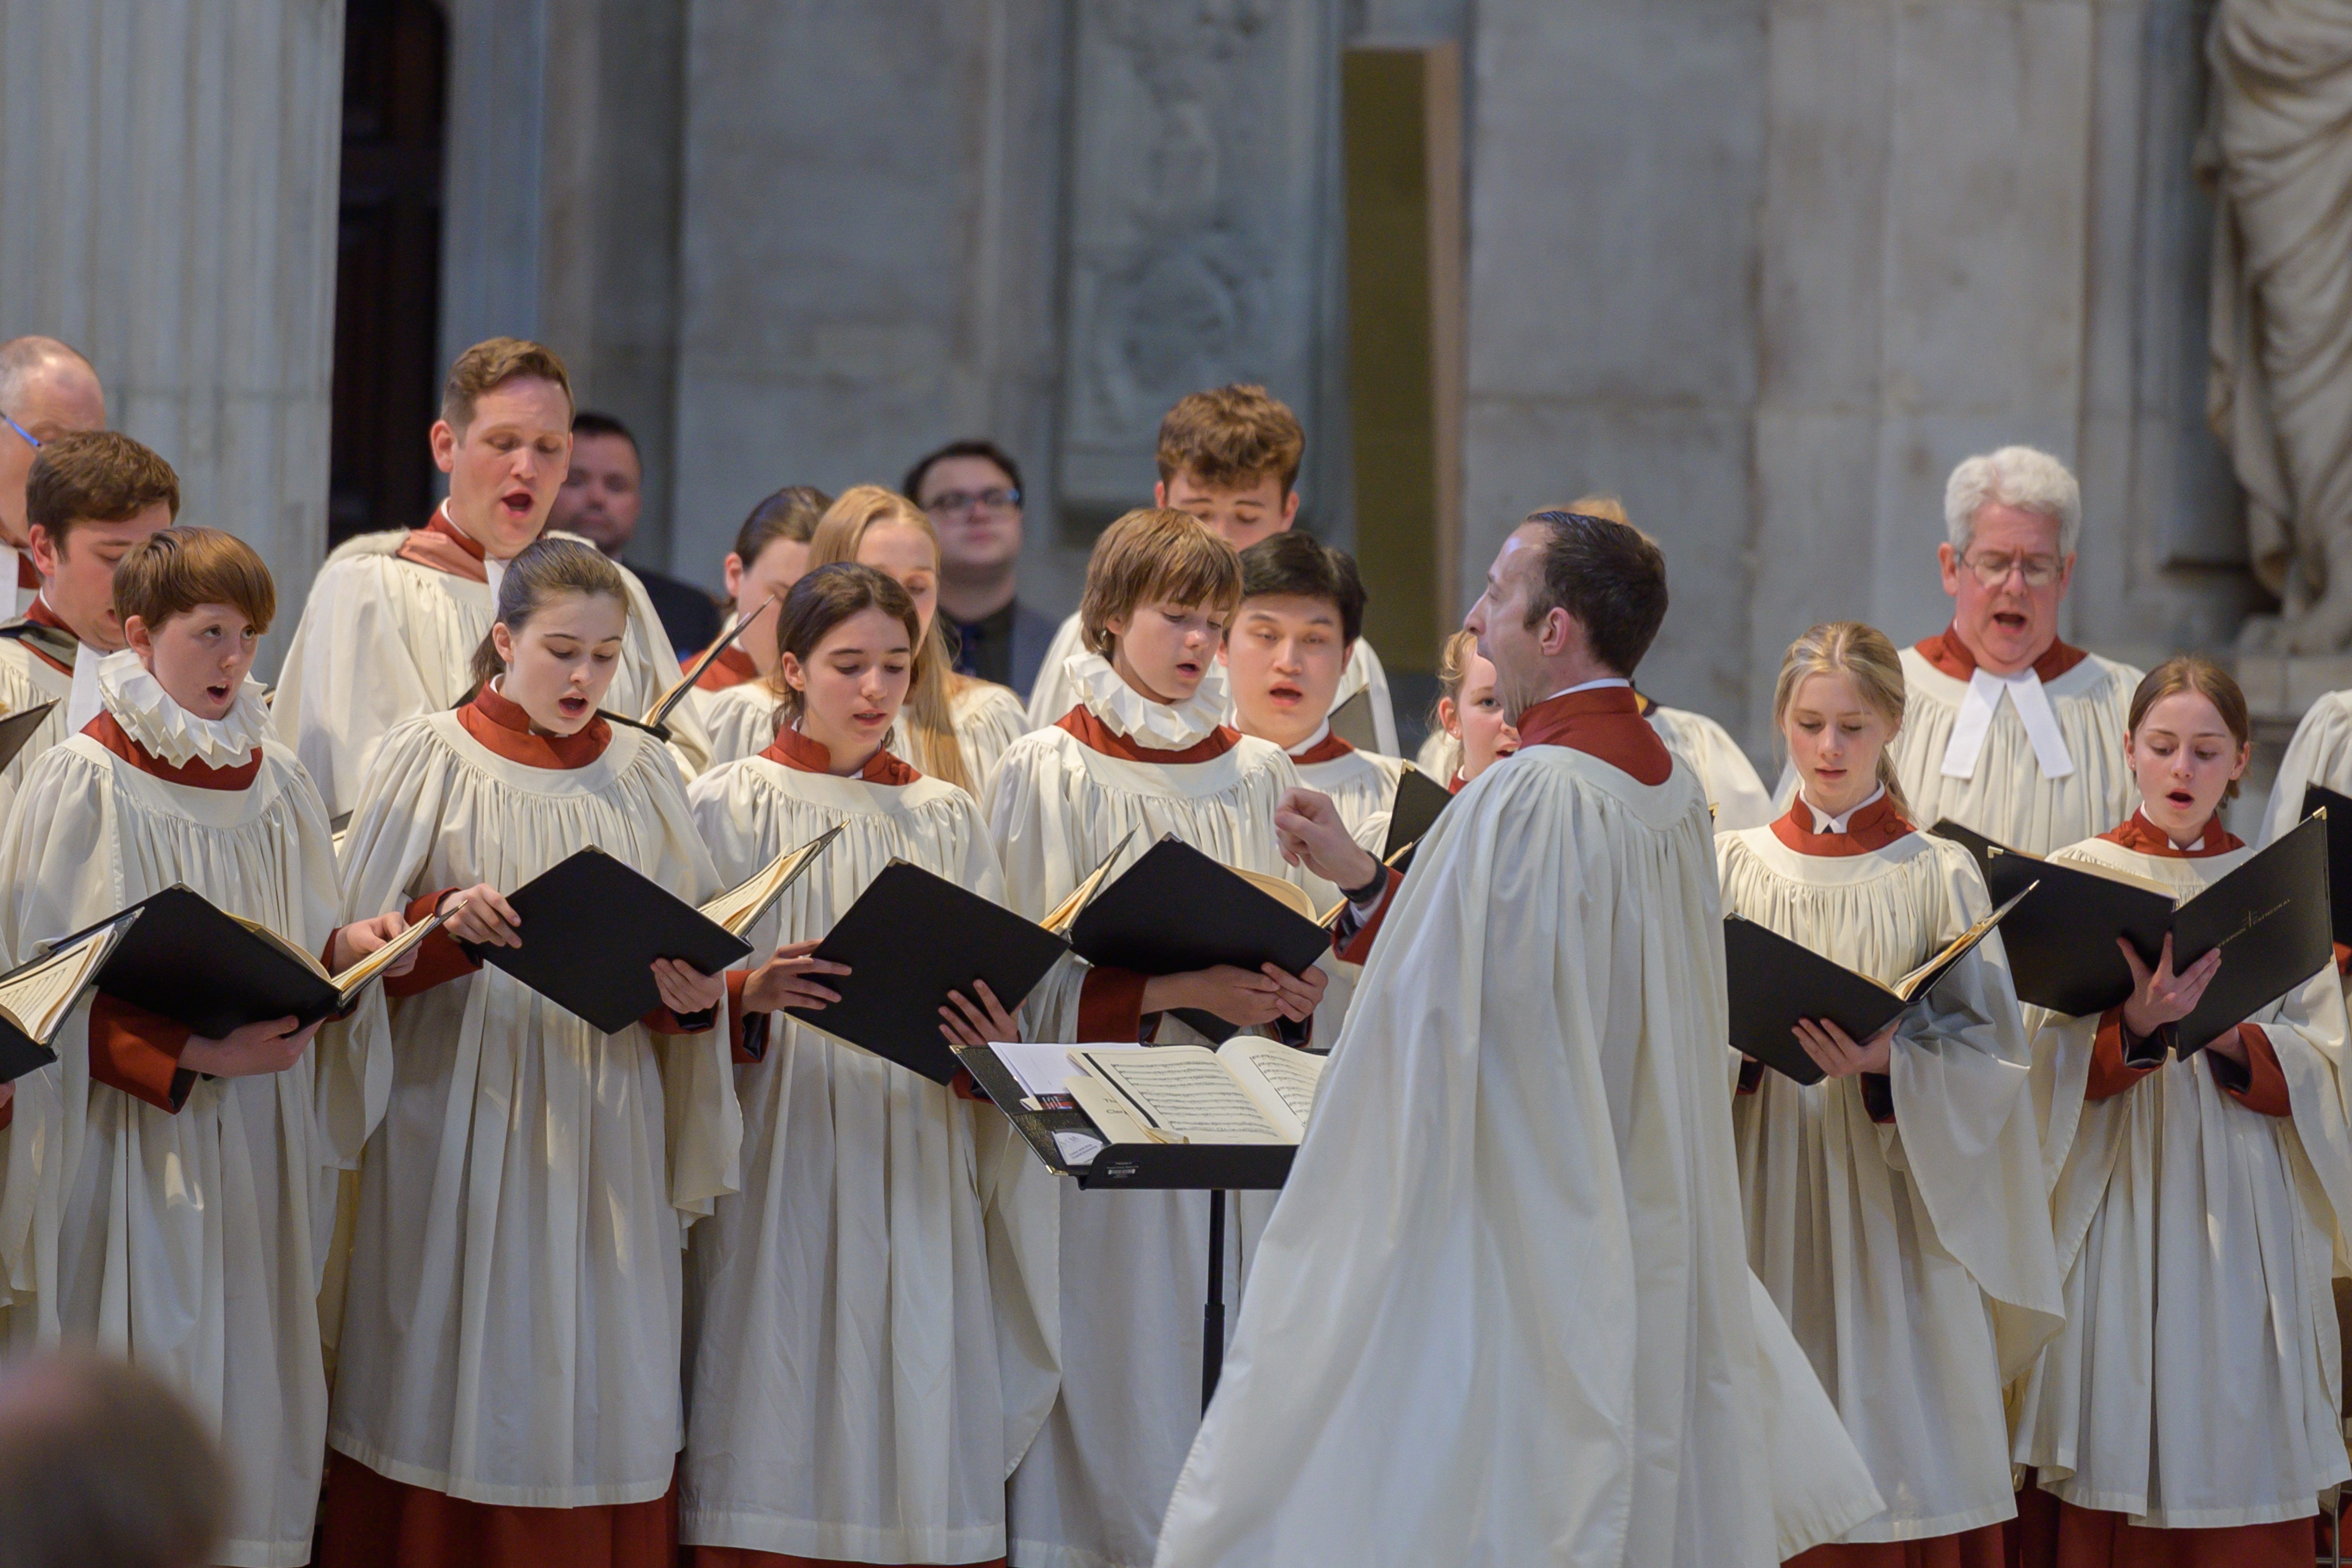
x,y
1911,1260
27,680
511,1333
1090,1491
1503,1314
740,721
1724,771
193,1243
1057,692
384,639
2320,753
2196,1383
2006,797
843,1393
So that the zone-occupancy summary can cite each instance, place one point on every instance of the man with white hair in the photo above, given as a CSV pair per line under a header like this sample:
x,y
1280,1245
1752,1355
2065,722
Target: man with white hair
x,y
46,390
2007,729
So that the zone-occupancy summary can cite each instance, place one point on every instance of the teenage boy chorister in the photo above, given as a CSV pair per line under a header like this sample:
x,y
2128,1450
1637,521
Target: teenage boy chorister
x,y
395,617
1230,458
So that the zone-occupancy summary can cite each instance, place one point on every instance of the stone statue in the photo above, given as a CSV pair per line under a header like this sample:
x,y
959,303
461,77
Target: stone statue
x,y
2278,156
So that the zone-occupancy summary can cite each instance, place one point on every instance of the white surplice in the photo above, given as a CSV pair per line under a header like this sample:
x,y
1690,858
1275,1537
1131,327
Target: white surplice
x,y
2196,1382
739,719
1724,772
384,639
2008,797
1057,692
193,1243
511,1331
2320,753
843,1390
1502,1315
27,680
1090,1491
741,723
1911,1260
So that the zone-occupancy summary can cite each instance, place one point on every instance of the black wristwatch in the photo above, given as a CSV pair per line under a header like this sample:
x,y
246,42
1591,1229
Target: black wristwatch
x,y
1366,894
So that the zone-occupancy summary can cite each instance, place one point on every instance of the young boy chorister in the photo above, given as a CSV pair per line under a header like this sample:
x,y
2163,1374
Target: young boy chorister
x,y
507,1388
844,1401
1230,458
183,1192
1144,751
395,617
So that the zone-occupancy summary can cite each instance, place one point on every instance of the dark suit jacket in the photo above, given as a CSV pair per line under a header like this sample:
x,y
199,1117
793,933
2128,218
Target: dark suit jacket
x,y
688,613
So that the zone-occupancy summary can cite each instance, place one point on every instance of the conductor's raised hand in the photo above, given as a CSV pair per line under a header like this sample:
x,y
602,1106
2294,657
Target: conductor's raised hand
x,y
1309,830
983,1022
787,980
685,990
2159,996
272,1046
479,914
1835,1052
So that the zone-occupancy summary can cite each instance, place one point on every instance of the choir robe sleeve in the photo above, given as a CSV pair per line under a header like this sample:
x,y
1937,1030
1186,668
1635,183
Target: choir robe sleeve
x,y
1526,1125
2320,753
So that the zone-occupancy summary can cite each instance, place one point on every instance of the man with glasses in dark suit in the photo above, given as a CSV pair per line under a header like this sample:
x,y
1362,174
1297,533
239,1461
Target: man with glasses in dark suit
x,y
46,390
972,489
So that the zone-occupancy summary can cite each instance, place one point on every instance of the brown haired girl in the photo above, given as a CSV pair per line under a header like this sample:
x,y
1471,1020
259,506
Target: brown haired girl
x,y
1145,752
1895,1209
169,1196
507,1389
850,1406
2197,1202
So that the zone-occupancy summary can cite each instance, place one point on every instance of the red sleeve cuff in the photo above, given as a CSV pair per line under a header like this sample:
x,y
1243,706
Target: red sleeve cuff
x,y
439,959
1751,1076
662,1021
1110,1004
139,1053
747,1034
1878,1098
2260,1085
9,1114
1358,948
2113,1066
2342,957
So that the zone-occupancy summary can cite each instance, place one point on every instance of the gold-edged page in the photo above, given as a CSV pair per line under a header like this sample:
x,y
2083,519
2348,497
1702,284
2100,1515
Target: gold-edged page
x,y
309,961
1183,1092
1288,894
1067,911
1282,1082
37,996
384,957
741,906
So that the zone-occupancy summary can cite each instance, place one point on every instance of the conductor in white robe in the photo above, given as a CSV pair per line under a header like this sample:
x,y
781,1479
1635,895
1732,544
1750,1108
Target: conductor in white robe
x,y
2008,729
1503,1313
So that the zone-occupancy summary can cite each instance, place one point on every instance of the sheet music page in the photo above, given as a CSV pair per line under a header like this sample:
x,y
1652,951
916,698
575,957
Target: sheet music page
x,y
1184,1091
735,909
384,957
38,995
1044,1069
1283,1081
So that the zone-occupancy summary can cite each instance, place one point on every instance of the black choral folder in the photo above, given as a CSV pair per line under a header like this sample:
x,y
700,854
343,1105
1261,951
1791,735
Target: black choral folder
x,y
1774,980
1411,813
592,928
19,727
1175,911
2271,918
912,938
193,962
2338,807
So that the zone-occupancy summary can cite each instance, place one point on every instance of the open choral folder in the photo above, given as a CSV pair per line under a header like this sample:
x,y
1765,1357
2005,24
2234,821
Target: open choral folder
x,y
592,928
36,998
1775,982
2338,808
187,960
2271,918
912,938
1412,812
1175,911
657,718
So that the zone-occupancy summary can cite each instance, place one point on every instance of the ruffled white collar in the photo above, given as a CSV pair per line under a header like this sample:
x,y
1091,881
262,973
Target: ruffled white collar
x,y
151,718
1155,725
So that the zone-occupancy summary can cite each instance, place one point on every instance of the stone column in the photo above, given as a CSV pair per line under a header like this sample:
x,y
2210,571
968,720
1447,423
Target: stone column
x,y
168,205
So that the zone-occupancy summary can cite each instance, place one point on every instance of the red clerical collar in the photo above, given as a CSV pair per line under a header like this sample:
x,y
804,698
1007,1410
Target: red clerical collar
x,y
503,727
108,734
733,666
40,615
2144,837
1948,653
1873,826
1329,748
1097,736
1604,723
795,750
444,547
1456,784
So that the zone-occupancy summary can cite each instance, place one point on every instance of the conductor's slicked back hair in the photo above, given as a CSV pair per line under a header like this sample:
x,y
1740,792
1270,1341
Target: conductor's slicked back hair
x,y
1608,575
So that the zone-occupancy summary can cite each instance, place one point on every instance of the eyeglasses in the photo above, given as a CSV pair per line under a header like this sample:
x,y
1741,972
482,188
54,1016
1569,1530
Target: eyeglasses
x,y
1992,570
948,502
32,440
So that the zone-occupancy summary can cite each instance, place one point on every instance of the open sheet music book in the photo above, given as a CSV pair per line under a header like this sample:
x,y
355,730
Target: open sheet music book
x,y
741,906
657,718
36,998
1248,1091
1067,911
